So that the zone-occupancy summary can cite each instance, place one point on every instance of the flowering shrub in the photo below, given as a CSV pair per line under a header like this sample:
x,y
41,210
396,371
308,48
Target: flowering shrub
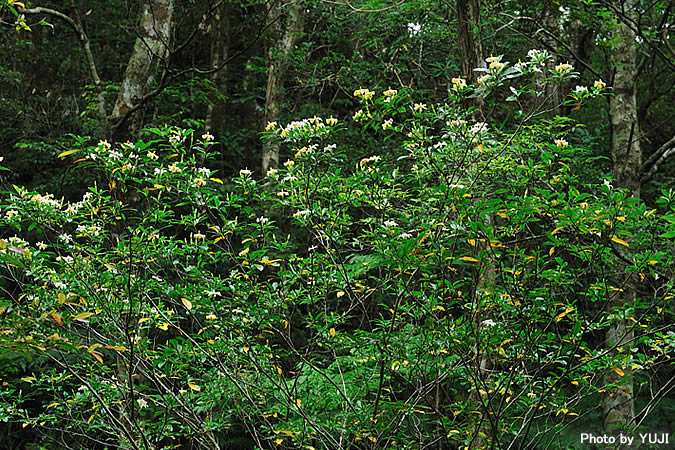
x,y
447,290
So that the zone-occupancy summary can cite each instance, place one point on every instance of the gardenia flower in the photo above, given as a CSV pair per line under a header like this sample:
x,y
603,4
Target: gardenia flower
x,y
12,213
173,168
41,245
272,172
199,181
271,126
331,121
390,223
390,92
288,164
387,124
581,89
152,155
599,84
198,236
104,144
244,173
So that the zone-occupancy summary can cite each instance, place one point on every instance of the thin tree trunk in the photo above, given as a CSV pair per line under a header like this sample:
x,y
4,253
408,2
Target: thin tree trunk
x,y
219,51
151,48
469,43
618,402
278,65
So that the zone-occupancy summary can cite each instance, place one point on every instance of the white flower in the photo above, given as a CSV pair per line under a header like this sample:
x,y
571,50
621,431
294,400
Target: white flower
x,y
142,403
387,124
213,293
208,137
12,213
581,89
104,144
271,126
564,68
173,168
390,92
41,245
419,107
152,155
304,212
405,235
478,128
244,173
458,83
210,317
332,121
607,183
66,237
599,84
198,236
489,323
560,143
483,79
288,164
199,181
390,223
272,172
262,220
414,28
283,194
365,94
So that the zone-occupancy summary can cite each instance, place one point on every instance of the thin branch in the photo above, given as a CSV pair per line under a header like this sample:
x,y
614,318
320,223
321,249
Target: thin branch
x,y
651,166
84,41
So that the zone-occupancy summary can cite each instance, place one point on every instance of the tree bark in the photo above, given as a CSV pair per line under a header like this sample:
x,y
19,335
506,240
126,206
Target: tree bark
x,y
618,402
219,53
469,44
151,48
276,72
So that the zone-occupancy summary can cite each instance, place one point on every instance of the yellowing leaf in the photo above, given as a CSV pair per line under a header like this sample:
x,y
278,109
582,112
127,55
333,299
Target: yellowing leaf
x,y
650,213
97,356
67,152
563,314
82,316
550,252
163,326
217,180
57,318
468,259
53,404
471,242
194,387
144,319
340,294
118,348
187,303
556,230
332,332
278,441
29,379
576,383
618,371
620,241
62,298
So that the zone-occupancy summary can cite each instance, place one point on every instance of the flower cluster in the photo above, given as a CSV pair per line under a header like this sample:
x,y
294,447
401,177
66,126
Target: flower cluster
x,y
495,63
303,129
365,94
458,83
564,68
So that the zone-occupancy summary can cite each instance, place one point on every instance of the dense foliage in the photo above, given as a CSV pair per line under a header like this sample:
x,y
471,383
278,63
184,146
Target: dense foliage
x,y
434,263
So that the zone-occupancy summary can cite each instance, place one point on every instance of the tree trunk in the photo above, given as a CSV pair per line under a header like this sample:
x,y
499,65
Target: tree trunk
x,y
219,53
276,72
151,48
618,402
469,43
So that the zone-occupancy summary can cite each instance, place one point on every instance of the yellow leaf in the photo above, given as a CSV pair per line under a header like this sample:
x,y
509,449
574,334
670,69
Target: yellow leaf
x,y
650,213
163,326
332,332
29,379
194,387
62,298
372,438
576,383
53,404
82,316
67,152
438,308
144,319
471,242
340,294
187,303
97,356
550,252
618,371
3,244
57,318
278,440
468,259
93,347
621,219
118,348
217,180
563,314
556,230
91,418
620,241
245,349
